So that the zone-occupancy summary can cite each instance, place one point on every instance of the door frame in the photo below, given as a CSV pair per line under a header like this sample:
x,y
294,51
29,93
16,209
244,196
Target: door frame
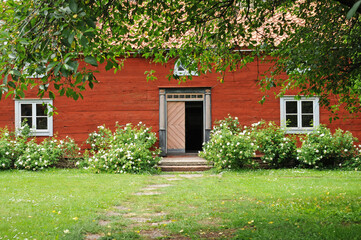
x,y
163,122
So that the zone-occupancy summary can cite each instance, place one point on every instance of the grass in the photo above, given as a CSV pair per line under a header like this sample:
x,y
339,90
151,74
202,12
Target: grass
x,y
262,204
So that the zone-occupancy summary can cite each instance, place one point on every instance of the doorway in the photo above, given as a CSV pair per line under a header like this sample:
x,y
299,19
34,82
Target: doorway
x,y
193,126
184,119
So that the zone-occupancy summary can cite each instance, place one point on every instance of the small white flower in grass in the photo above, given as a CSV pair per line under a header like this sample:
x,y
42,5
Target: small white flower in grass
x,y
66,231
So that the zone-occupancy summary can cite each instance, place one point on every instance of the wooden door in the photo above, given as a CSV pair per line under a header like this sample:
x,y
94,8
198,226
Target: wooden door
x,y
176,127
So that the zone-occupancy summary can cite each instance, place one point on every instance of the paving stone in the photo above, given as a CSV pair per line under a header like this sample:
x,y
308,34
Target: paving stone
x,y
111,213
191,175
152,234
149,188
121,208
91,236
104,222
127,215
139,219
158,214
160,223
147,193
160,185
174,179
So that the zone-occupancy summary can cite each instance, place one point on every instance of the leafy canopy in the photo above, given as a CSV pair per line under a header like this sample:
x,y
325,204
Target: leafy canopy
x,y
42,43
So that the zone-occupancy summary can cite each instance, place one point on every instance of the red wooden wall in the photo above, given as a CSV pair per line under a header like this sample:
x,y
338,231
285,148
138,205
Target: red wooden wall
x,y
127,97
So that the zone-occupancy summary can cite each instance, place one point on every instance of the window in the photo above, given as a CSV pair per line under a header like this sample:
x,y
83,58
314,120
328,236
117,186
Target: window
x,y
35,114
181,70
298,116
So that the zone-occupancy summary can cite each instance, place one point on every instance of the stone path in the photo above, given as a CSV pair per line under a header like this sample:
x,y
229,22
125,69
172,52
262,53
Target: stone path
x,y
153,219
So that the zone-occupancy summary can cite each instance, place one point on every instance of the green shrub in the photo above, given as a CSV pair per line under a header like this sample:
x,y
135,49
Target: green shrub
x,y
322,149
229,147
130,149
279,150
46,154
355,162
7,154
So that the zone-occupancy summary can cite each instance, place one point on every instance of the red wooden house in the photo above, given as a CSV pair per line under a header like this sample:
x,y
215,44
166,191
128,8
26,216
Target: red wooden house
x,y
181,114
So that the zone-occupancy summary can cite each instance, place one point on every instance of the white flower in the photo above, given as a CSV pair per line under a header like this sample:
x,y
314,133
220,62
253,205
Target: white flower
x,y
66,231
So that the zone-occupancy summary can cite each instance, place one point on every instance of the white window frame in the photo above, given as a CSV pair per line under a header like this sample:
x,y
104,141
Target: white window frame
x,y
184,72
33,102
299,128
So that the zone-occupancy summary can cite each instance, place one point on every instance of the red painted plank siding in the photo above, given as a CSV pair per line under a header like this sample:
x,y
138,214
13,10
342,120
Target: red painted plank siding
x,y
127,97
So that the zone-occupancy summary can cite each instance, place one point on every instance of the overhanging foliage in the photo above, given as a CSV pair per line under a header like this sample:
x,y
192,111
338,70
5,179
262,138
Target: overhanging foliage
x,y
310,40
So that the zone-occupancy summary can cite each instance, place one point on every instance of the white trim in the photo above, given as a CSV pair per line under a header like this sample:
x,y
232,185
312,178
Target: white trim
x,y
33,102
299,128
183,72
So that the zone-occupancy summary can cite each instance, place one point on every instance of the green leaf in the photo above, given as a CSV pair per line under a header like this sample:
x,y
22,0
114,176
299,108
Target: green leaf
x,y
71,37
62,91
15,72
353,10
73,6
12,84
51,95
109,65
83,41
91,60
5,80
90,23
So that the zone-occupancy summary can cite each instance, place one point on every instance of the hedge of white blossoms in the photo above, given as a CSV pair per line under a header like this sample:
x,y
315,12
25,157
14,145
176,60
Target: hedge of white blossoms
x,y
130,149
17,151
232,146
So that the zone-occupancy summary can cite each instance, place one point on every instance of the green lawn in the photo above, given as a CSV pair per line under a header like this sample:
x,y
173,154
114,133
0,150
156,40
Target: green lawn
x,y
262,204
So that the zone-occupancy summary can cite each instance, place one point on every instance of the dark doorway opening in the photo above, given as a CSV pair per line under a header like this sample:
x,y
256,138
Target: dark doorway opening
x,y
194,126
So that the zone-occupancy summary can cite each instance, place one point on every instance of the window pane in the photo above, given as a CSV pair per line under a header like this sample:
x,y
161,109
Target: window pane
x,y
291,107
42,123
41,109
26,120
307,120
307,106
291,120
26,110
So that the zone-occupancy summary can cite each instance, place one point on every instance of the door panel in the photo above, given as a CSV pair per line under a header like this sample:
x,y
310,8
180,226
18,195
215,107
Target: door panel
x,y
176,126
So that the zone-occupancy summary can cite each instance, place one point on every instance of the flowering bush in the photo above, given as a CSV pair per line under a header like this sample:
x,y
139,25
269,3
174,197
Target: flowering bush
x,y
229,146
129,149
6,149
355,162
279,150
17,151
46,154
324,149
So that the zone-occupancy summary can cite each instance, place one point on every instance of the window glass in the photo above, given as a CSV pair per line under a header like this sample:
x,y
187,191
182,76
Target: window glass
x,y
26,110
41,109
307,120
291,107
291,120
41,123
307,106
